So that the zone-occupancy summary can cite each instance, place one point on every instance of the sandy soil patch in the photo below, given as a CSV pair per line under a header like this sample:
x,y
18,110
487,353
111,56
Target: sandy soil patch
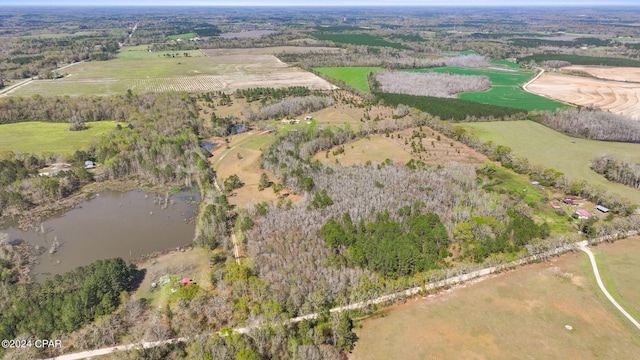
x,y
631,74
615,96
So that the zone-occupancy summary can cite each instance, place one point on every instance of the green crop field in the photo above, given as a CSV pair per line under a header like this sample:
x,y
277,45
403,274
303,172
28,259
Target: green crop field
x,y
551,149
355,77
505,89
186,36
522,314
41,137
506,63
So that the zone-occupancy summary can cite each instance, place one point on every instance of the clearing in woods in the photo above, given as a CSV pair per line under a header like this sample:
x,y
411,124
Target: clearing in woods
x,y
509,316
42,137
398,148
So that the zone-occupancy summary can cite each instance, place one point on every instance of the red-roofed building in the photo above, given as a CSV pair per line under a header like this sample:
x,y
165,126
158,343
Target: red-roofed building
x,y
582,214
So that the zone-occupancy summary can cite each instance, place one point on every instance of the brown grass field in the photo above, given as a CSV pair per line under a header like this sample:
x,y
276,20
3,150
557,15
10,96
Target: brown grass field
x,y
377,148
517,315
616,96
628,74
226,163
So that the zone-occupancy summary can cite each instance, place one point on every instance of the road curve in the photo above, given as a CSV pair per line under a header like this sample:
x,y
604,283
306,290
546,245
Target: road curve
x,y
592,258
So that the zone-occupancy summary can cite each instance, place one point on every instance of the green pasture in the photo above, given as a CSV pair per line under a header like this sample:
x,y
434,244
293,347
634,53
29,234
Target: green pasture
x,y
186,36
505,89
42,137
507,63
355,77
551,149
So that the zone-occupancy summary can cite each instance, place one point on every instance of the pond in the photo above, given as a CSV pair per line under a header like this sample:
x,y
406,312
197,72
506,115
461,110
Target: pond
x,y
111,224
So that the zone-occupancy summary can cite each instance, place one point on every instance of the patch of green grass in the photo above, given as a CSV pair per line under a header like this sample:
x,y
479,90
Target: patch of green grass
x,y
506,63
186,36
40,137
505,89
355,77
551,149
507,181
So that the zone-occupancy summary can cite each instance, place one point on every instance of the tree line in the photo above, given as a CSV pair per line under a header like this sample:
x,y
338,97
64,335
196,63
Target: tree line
x,y
617,170
591,124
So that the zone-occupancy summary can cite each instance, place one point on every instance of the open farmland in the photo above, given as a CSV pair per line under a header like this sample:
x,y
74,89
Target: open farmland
x,y
518,315
549,148
41,137
618,266
616,96
144,72
505,89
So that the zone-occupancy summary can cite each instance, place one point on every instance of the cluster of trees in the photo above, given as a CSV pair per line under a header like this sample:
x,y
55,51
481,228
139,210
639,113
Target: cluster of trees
x,y
290,107
388,58
617,170
394,249
64,109
592,124
429,84
581,60
266,95
65,302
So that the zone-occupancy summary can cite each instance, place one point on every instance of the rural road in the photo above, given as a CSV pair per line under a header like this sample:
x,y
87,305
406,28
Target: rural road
x,y
524,87
452,280
583,246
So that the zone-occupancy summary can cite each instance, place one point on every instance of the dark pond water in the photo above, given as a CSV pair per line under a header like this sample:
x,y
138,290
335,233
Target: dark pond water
x,y
112,224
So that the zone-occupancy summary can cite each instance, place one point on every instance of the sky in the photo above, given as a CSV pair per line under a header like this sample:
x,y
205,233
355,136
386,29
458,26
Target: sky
x,y
485,3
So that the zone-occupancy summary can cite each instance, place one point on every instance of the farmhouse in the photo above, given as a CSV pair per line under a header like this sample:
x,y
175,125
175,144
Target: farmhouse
x,y
602,209
568,201
582,214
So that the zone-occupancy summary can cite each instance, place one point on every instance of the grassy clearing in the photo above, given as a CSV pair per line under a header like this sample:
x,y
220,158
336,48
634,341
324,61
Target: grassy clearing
x,y
41,137
559,220
186,36
193,264
146,55
505,89
241,158
507,63
355,77
551,149
358,39
521,314
618,266
379,148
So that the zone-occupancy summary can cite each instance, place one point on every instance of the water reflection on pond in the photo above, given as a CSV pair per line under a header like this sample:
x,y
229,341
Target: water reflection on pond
x,y
112,224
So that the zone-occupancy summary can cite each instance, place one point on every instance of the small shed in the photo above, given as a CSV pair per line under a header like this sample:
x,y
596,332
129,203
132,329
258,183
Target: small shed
x,y
602,209
582,214
186,281
89,164
553,204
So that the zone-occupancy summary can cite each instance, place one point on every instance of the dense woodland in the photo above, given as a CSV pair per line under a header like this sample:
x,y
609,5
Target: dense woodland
x,y
617,170
429,84
592,124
